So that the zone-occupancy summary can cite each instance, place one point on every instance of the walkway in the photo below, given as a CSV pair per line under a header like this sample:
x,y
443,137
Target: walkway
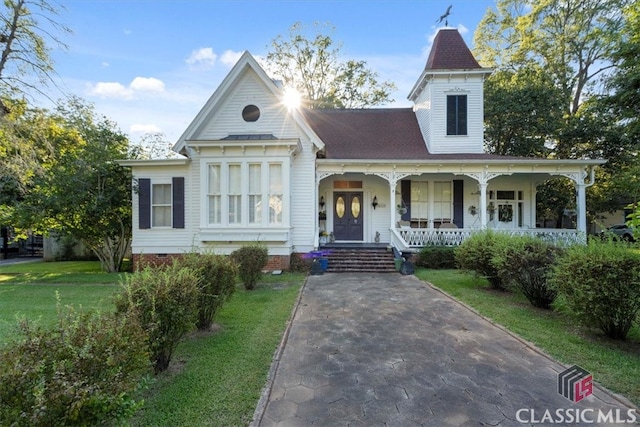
x,y
389,350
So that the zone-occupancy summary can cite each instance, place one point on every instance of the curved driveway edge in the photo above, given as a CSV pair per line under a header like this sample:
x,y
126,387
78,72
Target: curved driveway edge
x,y
384,349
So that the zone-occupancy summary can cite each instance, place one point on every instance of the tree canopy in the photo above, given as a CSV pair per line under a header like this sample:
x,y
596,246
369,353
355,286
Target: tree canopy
x,y
29,29
74,187
312,65
554,59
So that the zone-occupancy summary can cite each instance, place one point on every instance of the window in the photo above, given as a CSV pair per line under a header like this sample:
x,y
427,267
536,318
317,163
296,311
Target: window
x,y
442,199
214,195
161,205
419,199
250,113
255,194
248,194
275,193
456,114
234,192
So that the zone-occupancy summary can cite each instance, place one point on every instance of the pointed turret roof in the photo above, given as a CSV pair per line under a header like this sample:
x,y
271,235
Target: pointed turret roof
x,y
450,52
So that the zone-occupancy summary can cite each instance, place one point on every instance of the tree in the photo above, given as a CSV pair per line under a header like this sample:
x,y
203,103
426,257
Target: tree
x,y
82,192
313,67
27,30
523,111
573,40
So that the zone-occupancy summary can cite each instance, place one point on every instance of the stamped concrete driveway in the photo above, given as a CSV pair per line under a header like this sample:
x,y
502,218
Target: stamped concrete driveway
x,y
390,350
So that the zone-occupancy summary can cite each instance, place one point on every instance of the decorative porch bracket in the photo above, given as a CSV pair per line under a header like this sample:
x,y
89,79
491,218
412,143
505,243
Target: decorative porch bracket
x,y
392,178
483,177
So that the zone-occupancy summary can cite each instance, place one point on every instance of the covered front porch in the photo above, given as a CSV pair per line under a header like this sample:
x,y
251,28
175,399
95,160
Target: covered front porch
x,y
408,205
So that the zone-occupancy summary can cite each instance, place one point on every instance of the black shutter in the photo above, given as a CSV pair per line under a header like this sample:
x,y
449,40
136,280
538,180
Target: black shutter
x,y
405,193
178,202
462,115
458,202
144,203
451,115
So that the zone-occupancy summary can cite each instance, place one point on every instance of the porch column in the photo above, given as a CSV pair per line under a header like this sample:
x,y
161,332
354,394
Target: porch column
x,y
392,202
483,204
581,204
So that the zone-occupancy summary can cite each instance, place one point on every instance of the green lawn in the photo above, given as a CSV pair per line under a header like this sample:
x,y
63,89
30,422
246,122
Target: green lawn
x,y
31,290
614,364
215,378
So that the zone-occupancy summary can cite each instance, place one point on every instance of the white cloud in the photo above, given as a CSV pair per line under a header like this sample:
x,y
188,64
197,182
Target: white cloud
x,y
105,64
110,90
144,128
118,90
202,58
229,58
147,84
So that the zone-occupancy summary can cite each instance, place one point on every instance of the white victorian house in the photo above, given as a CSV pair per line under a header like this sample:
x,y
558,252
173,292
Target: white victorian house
x,y
405,177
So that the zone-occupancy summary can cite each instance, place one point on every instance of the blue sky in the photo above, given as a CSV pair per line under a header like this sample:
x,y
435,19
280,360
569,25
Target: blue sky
x,y
151,65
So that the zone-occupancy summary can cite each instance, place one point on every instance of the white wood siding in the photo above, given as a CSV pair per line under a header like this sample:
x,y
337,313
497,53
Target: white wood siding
x,y
436,123
227,117
423,110
304,202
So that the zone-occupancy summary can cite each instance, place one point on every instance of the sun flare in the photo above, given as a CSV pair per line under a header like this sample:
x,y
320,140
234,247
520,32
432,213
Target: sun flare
x,y
291,98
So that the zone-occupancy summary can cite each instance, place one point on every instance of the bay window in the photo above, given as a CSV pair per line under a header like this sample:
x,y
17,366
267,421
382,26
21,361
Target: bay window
x,y
237,193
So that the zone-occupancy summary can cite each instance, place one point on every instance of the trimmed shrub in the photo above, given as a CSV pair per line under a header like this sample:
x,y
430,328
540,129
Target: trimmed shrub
x,y
251,260
601,283
476,252
217,283
525,263
437,257
165,301
300,264
87,370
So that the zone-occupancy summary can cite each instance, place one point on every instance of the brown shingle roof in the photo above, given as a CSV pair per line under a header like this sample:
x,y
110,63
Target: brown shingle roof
x,y
376,134
450,52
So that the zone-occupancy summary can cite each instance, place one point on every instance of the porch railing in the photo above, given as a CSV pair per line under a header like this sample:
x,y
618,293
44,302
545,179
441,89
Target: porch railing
x,y
411,238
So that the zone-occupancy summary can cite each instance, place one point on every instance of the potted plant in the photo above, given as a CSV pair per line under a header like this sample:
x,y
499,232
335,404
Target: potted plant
x,y
402,208
323,237
473,210
322,215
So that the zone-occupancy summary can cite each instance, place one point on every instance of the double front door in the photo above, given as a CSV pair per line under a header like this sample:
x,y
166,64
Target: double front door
x,y
347,216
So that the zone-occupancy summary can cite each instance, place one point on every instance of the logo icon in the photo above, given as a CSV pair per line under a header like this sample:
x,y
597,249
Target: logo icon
x,y
575,383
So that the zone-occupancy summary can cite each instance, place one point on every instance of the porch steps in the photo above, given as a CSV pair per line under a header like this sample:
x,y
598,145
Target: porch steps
x,y
373,260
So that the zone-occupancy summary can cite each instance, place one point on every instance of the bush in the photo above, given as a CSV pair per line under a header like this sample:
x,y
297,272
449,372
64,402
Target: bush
x,y
437,257
525,263
86,370
476,252
216,285
165,300
601,283
300,264
251,259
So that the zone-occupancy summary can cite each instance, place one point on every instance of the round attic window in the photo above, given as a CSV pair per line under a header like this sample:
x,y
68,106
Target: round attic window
x,y
250,113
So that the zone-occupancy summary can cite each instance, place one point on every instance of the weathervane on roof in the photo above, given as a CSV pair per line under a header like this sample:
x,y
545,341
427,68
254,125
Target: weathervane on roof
x,y
445,17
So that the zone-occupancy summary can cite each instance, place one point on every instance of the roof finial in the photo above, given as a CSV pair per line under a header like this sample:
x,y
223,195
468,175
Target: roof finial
x,y
445,17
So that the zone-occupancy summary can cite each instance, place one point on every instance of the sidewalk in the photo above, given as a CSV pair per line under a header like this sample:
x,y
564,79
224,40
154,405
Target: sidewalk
x,y
385,349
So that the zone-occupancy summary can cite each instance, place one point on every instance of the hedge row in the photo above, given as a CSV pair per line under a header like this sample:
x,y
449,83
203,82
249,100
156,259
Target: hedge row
x,y
600,281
